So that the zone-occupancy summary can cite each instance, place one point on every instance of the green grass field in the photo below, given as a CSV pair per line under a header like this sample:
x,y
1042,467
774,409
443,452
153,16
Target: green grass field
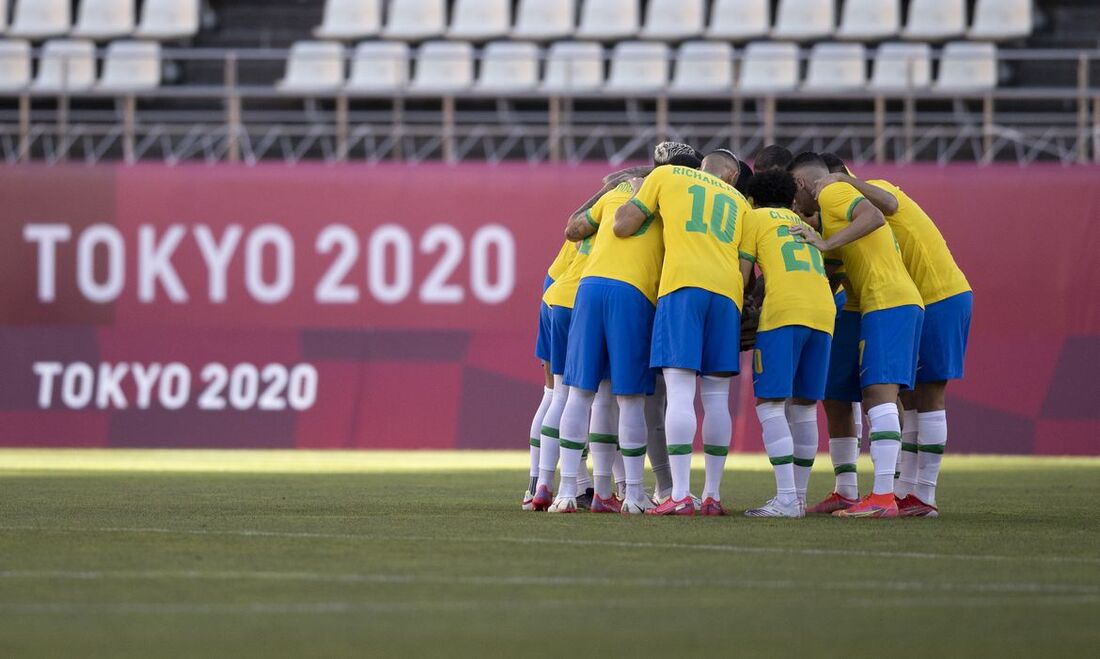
x,y
207,553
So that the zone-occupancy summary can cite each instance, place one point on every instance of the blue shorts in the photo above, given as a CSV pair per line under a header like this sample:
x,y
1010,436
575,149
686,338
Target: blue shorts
x,y
843,379
609,337
889,342
698,330
560,319
542,340
943,338
791,361
840,299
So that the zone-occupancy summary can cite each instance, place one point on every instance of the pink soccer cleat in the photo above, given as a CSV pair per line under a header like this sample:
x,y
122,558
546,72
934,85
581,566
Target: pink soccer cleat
x,y
872,505
684,507
831,504
543,498
601,505
911,506
712,507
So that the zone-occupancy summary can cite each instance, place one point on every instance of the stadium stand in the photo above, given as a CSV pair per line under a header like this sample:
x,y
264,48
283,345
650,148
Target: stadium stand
x,y
15,64
41,19
350,19
166,20
1001,20
870,20
608,20
769,66
739,20
101,20
836,67
379,67
509,67
480,20
674,20
902,66
130,66
573,66
967,66
66,65
313,67
542,20
805,20
703,67
444,66
935,20
416,20
638,66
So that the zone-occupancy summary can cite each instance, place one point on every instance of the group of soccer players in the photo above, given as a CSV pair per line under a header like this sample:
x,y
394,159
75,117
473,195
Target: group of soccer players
x,y
861,306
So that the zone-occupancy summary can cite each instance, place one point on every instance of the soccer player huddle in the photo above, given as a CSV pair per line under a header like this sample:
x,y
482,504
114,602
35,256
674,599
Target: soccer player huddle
x,y
856,302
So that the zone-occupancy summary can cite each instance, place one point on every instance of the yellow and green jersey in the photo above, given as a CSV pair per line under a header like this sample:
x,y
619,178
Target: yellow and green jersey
x,y
923,249
796,290
702,217
562,260
635,260
876,272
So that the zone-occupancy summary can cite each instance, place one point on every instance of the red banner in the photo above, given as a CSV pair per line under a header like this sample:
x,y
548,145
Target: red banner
x,y
395,307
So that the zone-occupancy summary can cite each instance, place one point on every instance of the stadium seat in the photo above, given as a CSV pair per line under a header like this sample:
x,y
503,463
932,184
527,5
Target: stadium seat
x,y
935,20
573,66
739,20
967,66
131,66
509,66
416,20
41,19
805,20
480,20
104,19
350,19
379,66
542,20
900,66
608,20
15,64
703,66
66,65
444,66
836,67
769,66
313,67
638,66
869,20
3,16
674,20
1001,20
164,20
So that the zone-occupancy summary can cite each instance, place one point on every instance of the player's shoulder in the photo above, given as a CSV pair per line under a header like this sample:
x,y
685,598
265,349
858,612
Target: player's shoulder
x,y
840,198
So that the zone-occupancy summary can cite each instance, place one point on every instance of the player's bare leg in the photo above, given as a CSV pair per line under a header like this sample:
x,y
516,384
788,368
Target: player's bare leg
x,y
885,436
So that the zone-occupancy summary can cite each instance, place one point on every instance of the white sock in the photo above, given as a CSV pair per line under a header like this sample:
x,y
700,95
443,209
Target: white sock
x,y
779,445
632,444
803,422
603,454
548,440
680,427
603,430
844,452
885,445
573,436
717,431
534,438
618,472
857,419
656,447
931,439
906,483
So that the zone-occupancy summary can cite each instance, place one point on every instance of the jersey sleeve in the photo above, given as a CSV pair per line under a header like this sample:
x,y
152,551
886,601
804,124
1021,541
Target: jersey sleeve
x,y
648,196
747,249
839,200
594,214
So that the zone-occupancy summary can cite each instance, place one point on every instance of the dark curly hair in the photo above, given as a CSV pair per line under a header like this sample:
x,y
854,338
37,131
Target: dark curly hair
x,y
772,188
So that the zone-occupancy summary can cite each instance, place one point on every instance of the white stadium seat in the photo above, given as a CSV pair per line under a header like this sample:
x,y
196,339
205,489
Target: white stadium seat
x,y
379,66
313,67
164,20
479,20
66,65
104,19
869,20
131,66
444,66
935,20
608,20
638,66
739,20
901,66
805,20
703,66
41,19
543,20
573,66
674,20
836,67
350,19
509,66
1001,20
416,20
967,66
769,66
15,64
3,16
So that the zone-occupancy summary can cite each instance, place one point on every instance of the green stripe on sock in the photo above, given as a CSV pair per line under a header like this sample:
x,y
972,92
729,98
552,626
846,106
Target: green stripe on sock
x,y
844,469
577,446
886,434
803,462
782,460
600,438
549,432
716,450
679,449
907,446
633,452
931,448
536,442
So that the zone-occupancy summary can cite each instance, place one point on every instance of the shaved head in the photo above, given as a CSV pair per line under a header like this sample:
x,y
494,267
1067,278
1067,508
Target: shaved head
x,y
723,164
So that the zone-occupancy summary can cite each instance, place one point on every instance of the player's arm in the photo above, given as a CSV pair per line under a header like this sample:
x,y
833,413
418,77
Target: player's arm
x,y
615,178
880,198
633,214
865,219
747,272
581,225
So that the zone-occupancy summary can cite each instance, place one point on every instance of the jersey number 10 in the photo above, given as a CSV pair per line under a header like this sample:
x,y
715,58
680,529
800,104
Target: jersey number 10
x,y
723,215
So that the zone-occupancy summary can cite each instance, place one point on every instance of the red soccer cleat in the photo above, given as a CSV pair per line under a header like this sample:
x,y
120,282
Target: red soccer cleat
x,y
542,499
684,507
601,505
911,506
831,504
711,507
872,505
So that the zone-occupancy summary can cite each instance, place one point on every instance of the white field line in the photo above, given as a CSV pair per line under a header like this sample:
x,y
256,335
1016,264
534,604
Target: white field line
x,y
720,548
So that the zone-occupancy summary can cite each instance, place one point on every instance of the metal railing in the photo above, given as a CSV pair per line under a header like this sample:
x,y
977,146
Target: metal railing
x,y
254,121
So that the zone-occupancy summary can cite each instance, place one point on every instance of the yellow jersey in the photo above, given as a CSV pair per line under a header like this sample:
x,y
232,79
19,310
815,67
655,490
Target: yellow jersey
x,y
562,260
635,260
796,290
873,263
703,218
923,249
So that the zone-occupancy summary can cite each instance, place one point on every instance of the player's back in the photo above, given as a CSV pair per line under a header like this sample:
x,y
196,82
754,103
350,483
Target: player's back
x,y
635,260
